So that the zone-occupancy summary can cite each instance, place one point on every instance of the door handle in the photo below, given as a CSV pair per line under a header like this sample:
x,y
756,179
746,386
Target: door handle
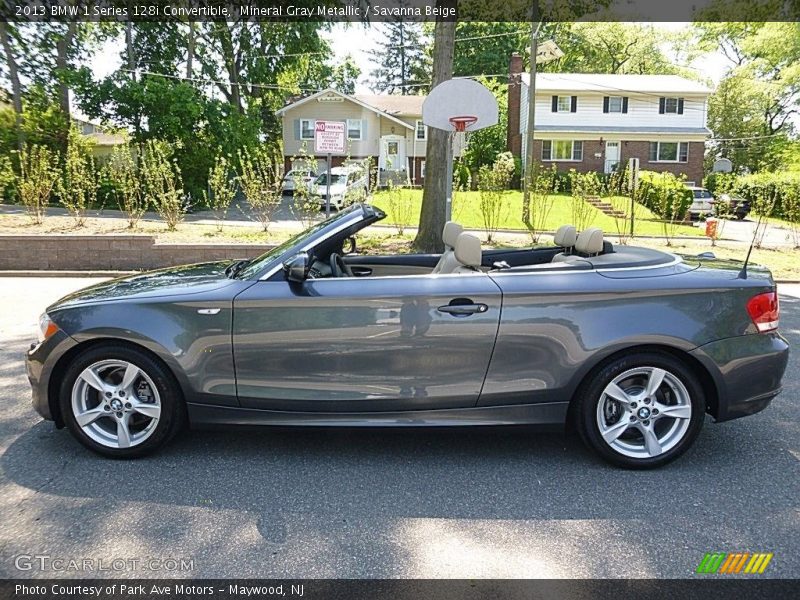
x,y
360,271
463,310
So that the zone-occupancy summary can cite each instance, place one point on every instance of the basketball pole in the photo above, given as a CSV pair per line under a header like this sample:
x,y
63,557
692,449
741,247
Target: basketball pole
x,y
448,173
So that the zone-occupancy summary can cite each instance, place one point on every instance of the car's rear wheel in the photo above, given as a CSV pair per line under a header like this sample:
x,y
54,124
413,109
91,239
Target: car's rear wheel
x,y
120,402
641,410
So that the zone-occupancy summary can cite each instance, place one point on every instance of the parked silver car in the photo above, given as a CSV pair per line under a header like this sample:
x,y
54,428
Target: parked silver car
x,y
297,176
629,346
347,185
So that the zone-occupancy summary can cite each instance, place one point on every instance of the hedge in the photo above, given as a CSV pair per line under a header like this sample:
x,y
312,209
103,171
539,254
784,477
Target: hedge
x,y
664,194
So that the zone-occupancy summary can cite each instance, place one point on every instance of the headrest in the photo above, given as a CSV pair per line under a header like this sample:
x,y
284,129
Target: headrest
x,y
468,250
450,233
565,236
590,241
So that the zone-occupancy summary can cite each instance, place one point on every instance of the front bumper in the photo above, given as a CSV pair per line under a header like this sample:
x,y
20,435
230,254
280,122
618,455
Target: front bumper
x,y
747,371
40,361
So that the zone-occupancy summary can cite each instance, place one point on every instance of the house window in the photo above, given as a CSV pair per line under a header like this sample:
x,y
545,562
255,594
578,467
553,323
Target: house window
x,y
669,151
564,103
562,150
422,131
353,129
306,129
670,105
615,104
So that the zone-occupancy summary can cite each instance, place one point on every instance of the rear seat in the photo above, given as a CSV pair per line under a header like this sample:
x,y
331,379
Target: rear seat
x,y
589,243
565,237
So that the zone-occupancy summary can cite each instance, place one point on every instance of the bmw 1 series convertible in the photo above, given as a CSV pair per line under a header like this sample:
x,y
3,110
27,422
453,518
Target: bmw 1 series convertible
x,y
631,347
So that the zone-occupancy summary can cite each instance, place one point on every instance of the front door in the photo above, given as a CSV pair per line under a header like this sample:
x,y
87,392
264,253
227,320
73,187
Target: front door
x,y
393,153
612,156
367,343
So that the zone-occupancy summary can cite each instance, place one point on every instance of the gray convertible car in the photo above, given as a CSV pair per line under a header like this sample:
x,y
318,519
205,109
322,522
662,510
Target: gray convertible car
x,y
629,346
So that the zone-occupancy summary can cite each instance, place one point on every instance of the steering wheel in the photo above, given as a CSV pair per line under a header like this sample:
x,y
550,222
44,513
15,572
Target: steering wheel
x,y
339,268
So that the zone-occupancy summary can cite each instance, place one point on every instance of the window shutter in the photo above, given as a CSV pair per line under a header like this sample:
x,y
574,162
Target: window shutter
x,y
605,104
364,129
547,147
577,150
297,129
680,106
574,107
624,104
662,102
653,151
555,104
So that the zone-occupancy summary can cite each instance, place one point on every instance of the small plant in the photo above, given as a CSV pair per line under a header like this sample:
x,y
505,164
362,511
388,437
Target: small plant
x,y
542,186
260,180
400,206
306,201
78,186
791,211
462,181
762,206
222,189
163,183
38,172
122,173
583,186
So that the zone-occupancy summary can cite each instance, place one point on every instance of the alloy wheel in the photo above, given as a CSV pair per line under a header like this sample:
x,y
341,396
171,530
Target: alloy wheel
x,y
116,403
644,412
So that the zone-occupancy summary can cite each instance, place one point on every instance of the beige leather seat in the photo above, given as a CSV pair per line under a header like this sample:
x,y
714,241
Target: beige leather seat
x,y
565,237
467,256
450,234
589,243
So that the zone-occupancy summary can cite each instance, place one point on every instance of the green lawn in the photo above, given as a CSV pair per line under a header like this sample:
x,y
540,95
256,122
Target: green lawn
x,y
466,210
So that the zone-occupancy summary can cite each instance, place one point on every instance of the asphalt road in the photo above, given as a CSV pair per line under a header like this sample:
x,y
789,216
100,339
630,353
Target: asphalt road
x,y
432,503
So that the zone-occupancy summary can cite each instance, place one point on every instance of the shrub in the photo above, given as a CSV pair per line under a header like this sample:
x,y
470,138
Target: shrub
x,y
260,181
542,185
221,189
668,197
163,182
583,186
77,188
38,172
124,184
400,207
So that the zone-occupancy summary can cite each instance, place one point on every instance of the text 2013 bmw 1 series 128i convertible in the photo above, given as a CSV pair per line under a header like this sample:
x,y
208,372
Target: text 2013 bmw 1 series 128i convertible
x,y
630,346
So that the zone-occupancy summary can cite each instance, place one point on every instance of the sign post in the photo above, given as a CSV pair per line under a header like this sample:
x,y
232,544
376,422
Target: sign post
x,y
329,138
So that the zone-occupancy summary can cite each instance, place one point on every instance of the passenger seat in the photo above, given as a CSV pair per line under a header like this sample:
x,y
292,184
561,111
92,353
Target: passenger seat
x,y
466,257
450,234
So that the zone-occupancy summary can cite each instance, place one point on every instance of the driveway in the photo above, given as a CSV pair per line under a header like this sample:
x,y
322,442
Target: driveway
x,y
429,503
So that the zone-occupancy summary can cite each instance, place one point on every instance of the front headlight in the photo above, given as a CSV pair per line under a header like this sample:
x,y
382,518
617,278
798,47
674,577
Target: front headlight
x,y
46,327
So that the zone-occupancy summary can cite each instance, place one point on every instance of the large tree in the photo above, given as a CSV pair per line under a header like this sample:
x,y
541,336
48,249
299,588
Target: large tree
x,y
432,212
401,59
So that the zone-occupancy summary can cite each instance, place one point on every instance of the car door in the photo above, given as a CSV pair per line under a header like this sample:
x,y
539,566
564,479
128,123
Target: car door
x,y
365,344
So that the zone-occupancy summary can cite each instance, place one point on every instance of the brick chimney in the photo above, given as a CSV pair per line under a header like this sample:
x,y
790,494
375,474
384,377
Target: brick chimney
x,y
513,136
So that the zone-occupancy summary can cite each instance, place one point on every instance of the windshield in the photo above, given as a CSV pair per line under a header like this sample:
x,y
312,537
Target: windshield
x,y
323,179
262,261
702,194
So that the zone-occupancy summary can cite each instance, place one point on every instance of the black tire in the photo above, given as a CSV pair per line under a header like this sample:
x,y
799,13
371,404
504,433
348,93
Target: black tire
x,y
173,408
591,393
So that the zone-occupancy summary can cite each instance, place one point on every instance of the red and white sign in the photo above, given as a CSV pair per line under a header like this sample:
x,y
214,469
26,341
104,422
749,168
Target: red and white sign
x,y
329,137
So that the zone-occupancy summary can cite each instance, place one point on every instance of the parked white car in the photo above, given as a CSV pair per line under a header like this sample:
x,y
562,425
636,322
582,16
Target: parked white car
x,y
348,184
295,176
703,203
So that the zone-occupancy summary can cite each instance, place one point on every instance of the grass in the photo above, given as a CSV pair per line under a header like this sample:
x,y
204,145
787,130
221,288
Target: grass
x,y
466,210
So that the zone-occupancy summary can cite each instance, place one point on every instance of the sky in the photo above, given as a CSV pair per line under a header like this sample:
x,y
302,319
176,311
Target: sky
x,y
344,42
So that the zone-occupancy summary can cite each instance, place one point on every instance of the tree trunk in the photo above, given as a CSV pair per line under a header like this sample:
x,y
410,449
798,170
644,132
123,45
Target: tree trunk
x,y
13,75
131,55
190,42
432,213
62,57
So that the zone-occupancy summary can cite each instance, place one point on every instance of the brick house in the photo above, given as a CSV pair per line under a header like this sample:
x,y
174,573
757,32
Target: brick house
x,y
594,122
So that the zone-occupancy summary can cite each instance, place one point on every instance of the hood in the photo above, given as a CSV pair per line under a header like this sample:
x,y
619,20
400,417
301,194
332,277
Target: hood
x,y
173,281
336,189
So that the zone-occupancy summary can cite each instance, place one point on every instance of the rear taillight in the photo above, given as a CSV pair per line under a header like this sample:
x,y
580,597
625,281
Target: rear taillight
x,y
764,311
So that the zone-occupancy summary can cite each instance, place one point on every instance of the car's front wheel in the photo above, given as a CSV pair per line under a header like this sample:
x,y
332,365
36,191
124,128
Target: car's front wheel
x,y
641,411
120,402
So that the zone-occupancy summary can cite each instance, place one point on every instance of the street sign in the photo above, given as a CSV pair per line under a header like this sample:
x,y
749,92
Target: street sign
x,y
329,137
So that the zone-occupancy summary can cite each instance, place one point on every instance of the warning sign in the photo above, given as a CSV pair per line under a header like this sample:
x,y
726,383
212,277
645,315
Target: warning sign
x,y
329,137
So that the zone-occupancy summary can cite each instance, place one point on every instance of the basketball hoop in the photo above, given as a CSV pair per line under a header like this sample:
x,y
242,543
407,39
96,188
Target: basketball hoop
x,y
462,123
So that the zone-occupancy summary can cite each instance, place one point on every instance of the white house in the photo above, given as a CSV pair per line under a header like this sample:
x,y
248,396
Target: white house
x,y
387,128
594,122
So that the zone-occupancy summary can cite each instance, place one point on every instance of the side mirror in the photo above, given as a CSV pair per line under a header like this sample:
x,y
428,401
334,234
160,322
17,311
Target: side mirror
x,y
296,268
349,246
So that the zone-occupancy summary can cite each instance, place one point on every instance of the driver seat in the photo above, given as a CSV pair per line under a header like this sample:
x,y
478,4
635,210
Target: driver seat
x,y
450,234
467,256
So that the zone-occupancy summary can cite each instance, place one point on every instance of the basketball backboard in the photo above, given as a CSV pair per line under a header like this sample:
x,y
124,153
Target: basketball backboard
x,y
462,100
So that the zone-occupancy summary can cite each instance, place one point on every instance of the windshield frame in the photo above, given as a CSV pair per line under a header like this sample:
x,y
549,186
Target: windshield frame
x,y
267,264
